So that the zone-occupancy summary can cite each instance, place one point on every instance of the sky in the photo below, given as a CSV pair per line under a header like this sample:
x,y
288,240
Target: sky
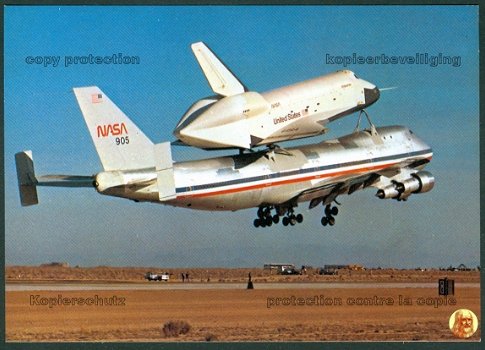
x,y
266,47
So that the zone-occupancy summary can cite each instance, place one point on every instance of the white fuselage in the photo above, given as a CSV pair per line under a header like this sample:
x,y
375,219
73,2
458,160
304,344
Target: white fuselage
x,y
252,119
267,178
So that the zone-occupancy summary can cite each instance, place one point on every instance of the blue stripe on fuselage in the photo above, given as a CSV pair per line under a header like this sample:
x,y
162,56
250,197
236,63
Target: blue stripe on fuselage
x,y
283,174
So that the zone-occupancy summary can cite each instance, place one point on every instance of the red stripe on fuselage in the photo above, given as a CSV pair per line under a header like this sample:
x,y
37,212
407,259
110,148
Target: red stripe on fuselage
x,y
285,182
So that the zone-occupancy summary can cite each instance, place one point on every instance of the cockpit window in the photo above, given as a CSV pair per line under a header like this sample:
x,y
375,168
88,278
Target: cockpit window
x,y
355,76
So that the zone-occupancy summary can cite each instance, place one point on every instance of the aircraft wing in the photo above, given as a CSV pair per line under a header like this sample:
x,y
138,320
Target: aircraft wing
x,y
327,193
220,78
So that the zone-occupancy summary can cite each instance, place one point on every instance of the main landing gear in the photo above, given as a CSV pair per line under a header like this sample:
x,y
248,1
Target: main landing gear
x,y
330,213
289,218
266,219
292,219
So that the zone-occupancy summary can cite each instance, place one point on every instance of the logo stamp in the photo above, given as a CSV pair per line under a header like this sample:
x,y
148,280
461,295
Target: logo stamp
x,y
463,323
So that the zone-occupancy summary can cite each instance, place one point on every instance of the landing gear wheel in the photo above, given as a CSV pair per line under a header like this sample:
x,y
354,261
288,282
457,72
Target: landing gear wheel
x,y
324,221
299,218
331,221
257,223
334,211
269,221
286,221
276,219
293,220
267,213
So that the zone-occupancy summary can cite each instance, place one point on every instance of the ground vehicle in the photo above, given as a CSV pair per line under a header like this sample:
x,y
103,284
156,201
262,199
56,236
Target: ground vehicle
x,y
332,269
290,271
151,276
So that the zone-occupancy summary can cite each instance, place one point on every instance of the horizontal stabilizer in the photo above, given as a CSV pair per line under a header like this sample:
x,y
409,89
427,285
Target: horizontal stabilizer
x,y
28,181
220,78
164,169
26,178
66,181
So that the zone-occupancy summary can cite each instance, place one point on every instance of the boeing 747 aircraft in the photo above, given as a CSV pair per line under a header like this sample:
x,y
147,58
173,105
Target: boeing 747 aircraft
x,y
390,159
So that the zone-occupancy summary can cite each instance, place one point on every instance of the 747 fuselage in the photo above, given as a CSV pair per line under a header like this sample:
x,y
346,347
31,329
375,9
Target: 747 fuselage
x,y
277,180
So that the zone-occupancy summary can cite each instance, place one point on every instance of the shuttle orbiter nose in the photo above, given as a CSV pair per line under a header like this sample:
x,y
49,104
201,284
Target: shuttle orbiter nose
x,y
371,95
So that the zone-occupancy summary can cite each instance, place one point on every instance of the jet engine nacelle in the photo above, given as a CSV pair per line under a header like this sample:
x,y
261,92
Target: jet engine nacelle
x,y
388,192
420,182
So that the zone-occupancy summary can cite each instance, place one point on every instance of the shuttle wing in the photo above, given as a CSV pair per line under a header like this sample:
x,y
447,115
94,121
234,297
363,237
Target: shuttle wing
x,y
220,78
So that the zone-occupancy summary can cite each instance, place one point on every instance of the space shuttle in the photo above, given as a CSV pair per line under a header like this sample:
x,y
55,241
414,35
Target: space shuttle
x,y
237,117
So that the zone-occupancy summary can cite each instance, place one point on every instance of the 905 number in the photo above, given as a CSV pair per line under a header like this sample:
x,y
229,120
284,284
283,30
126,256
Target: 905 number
x,y
122,140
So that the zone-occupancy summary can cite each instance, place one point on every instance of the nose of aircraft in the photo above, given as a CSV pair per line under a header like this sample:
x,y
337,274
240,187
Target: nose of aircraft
x,y
371,95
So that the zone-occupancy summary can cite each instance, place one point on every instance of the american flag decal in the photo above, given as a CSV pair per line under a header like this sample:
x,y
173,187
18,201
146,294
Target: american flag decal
x,y
97,98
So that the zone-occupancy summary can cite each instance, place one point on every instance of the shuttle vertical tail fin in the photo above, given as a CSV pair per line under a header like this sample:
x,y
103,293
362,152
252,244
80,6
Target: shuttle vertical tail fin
x,y
220,78
120,144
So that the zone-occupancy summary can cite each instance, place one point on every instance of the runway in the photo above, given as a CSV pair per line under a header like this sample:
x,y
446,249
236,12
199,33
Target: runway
x,y
227,312
77,286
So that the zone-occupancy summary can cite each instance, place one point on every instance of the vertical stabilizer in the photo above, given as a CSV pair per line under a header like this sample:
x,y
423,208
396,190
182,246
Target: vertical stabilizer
x,y
120,144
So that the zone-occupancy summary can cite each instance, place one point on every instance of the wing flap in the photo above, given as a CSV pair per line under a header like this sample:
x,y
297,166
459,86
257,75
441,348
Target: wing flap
x,y
327,193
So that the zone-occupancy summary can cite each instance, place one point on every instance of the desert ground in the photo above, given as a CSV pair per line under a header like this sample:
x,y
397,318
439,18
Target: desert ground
x,y
52,273
370,313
